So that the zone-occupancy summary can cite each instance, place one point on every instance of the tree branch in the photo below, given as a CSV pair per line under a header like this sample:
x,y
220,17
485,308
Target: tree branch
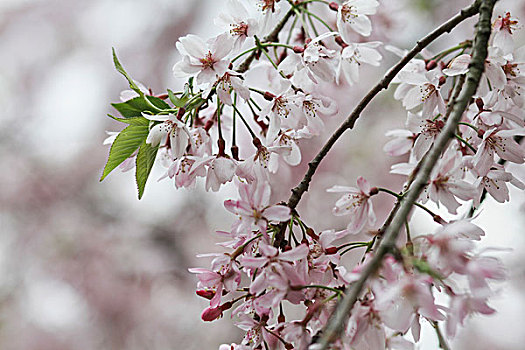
x,y
298,191
477,65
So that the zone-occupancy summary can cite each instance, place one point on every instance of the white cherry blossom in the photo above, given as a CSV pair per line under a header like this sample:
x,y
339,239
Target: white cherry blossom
x,y
352,15
205,61
171,128
353,56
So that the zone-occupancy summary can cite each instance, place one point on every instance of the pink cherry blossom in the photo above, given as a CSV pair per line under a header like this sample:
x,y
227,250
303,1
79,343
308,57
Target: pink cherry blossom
x,y
498,142
313,63
254,208
446,183
219,170
355,202
402,142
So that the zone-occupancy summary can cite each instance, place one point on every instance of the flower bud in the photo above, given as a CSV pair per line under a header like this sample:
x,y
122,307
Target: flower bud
x,y
180,113
226,306
310,232
373,191
298,49
339,40
334,6
431,65
331,250
210,314
235,152
480,104
269,96
207,294
439,220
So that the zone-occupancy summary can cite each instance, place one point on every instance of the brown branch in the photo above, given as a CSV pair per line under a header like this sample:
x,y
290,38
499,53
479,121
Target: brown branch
x,y
477,66
298,191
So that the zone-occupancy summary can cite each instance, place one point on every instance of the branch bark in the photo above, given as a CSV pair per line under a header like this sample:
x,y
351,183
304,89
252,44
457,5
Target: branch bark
x,y
477,66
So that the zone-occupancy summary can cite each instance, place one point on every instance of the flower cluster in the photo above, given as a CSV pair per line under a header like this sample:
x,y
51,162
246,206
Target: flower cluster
x,y
273,261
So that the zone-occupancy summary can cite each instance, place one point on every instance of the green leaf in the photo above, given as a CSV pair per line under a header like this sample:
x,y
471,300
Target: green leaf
x,y
179,102
131,120
137,105
124,145
145,160
122,71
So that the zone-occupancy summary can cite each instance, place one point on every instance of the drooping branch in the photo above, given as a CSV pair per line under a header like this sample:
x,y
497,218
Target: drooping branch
x,y
349,123
477,65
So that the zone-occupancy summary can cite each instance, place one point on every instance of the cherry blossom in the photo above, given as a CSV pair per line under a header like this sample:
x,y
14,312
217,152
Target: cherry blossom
x,y
446,184
253,208
220,170
502,38
228,83
356,54
498,142
314,62
240,20
355,202
353,16
425,90
205,61
171,129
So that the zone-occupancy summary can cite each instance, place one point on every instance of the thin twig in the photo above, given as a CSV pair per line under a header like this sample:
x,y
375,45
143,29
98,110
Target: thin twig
x,y
477,65
442,341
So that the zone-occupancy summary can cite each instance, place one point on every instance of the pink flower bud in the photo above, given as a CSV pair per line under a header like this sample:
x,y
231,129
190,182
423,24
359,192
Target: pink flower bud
x,y
331,250
269,96
209,314
298,49
431,65
480,104
207,294
334,6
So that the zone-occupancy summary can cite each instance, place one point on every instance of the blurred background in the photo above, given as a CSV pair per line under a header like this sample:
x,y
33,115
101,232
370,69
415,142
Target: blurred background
x,y
85,265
